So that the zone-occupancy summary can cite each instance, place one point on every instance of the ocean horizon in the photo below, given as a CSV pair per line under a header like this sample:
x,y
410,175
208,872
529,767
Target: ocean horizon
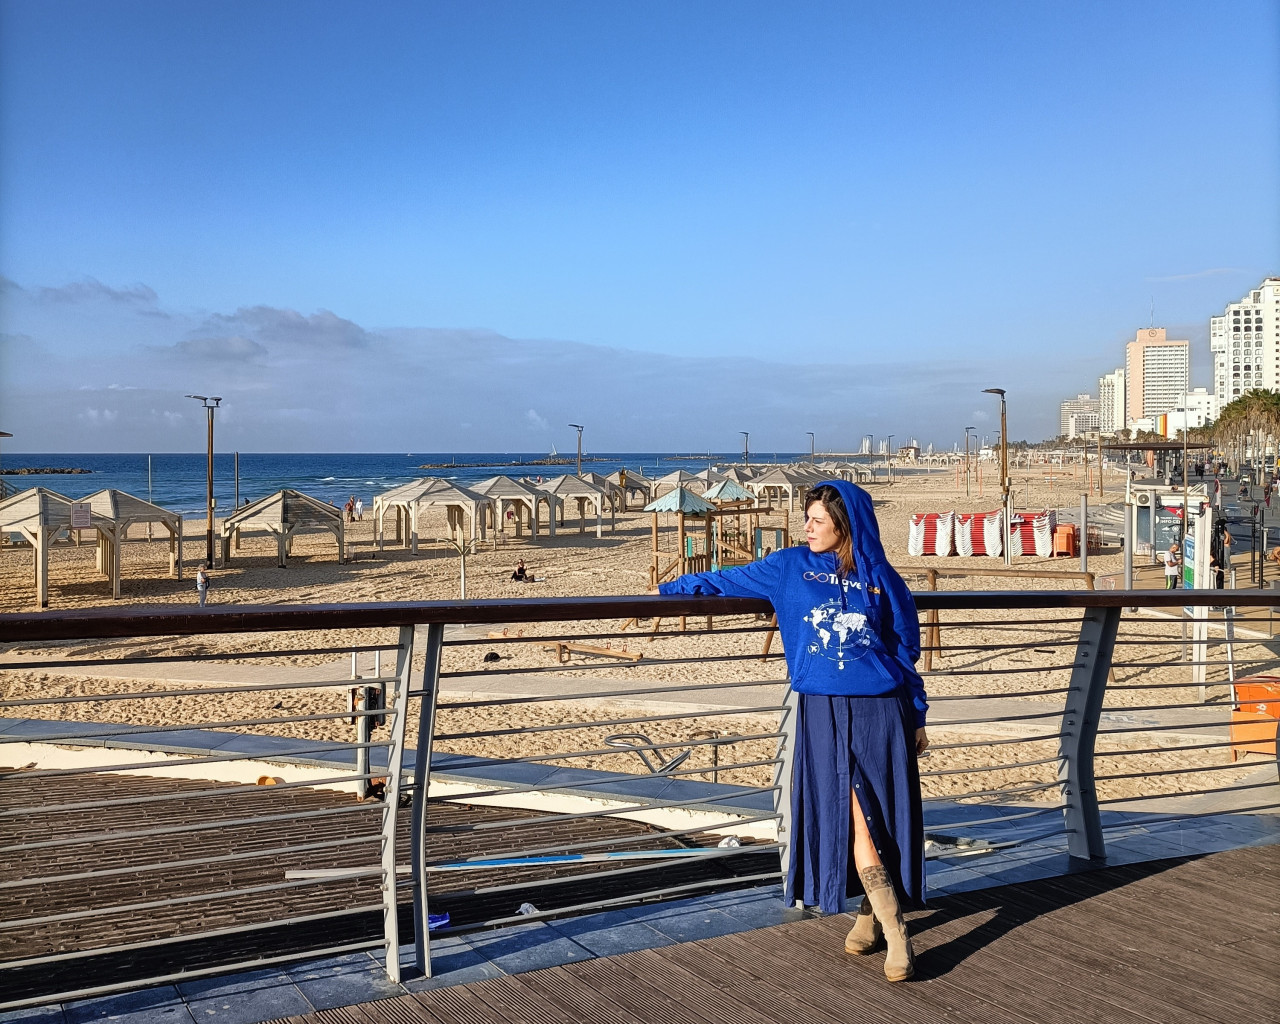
x,y
177,480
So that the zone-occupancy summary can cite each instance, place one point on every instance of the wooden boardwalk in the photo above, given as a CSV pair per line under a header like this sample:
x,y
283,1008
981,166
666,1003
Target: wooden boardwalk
x,y
1194,939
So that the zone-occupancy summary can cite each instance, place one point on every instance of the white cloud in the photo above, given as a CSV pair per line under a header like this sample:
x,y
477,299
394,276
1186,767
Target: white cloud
x,y
535,421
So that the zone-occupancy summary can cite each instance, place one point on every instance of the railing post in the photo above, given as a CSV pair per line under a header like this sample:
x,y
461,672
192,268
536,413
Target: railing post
x,y
421,780
1080,730
397,704
782,779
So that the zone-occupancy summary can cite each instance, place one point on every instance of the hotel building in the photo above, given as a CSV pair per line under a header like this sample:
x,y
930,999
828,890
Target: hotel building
x,y
1245,342
1111,408
1157,373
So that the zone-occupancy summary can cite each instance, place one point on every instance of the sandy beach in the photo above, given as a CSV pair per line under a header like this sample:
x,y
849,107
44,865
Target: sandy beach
x,y
1031,666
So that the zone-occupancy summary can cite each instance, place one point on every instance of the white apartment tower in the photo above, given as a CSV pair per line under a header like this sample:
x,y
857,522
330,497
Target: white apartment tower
x,y
1081,406
1245,342
1157,373
1111,407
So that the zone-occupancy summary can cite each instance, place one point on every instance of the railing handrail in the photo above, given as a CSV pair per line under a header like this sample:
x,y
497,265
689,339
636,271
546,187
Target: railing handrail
x,y
170,620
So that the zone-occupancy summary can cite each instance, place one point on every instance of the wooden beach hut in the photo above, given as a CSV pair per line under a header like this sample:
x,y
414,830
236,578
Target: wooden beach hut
x,y
409,500
41,516
114,512
678,478
522,498
779,481
572,488
283,515
634,485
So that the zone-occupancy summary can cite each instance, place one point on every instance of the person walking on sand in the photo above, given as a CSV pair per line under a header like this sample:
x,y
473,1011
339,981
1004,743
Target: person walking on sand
x,y
1172,566
202,585
851,637
359,509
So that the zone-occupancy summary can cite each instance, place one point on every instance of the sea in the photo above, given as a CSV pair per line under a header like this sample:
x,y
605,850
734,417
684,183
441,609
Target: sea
x,y
177,481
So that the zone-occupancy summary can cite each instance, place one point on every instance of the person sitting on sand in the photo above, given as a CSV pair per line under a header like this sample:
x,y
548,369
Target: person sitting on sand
x,y
520,575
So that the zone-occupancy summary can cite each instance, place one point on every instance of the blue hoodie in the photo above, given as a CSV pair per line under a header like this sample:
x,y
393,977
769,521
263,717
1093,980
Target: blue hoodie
x,y
858,636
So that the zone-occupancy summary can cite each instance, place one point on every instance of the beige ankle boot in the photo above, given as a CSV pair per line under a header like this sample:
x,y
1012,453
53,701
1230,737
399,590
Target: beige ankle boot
x,y
899,963
865,934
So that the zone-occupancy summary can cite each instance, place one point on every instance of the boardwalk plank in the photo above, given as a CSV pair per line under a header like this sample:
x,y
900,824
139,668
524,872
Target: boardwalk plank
x,y
1112,947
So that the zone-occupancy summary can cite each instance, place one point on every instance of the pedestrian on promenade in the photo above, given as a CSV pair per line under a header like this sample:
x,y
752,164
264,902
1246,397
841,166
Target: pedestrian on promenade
x,y
202,584
852,636
1172,566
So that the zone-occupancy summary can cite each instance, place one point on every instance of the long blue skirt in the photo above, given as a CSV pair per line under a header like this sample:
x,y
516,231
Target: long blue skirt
x,y
862,745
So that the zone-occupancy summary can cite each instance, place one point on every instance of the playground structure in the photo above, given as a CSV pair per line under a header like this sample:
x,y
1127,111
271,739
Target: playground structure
x,y
710,537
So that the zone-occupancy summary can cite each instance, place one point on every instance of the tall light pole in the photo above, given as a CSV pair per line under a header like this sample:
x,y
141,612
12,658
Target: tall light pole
x,y
1004,468
3,433
746,449
966,459
811,451
210,404
578,428
889,457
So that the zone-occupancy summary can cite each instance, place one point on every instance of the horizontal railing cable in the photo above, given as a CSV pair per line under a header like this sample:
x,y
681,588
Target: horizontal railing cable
x,y
194,691
1179,771
169,865
331,747
595,844
243,723
592,665
164,659
999,819
603,779
203,826
548,819
607,723
617,901
472,762
172,901
976,769
241,790
1000,741
1051,692
1188,792
644,635
450,705
188,974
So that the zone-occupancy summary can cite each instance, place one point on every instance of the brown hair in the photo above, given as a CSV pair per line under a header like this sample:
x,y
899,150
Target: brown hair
x,y
834,504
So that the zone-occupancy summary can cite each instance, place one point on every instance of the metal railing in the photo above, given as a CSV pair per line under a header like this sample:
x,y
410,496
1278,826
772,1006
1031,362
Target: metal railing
x,y
580,757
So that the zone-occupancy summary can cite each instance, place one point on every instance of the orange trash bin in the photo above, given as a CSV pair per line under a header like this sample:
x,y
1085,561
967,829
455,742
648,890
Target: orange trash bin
x,y
1064,541
1256,717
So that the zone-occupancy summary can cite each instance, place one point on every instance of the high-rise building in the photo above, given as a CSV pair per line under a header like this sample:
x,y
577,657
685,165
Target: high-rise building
x,y
1245,342
1111,408
1072,406
1157,373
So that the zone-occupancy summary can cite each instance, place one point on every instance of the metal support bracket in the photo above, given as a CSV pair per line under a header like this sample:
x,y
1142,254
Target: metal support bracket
x,y
1079,732
397,703
421,781
782,780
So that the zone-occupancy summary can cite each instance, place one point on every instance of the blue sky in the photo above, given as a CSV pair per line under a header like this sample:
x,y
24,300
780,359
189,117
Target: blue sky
x,y
846,218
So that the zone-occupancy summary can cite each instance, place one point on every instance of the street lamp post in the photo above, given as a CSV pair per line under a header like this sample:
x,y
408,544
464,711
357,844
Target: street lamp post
x,y
3,433
1004,468
811,451
578,428
746,448
966,459
888,457
210,404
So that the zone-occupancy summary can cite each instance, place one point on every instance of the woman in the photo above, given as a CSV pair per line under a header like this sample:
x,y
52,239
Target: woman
x,y
852,637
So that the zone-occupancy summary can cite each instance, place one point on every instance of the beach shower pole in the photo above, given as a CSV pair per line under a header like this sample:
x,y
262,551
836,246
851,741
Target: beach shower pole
x,y
746,450
210,404
578,428
966,459
888,458
811,451
237,504
1004,468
